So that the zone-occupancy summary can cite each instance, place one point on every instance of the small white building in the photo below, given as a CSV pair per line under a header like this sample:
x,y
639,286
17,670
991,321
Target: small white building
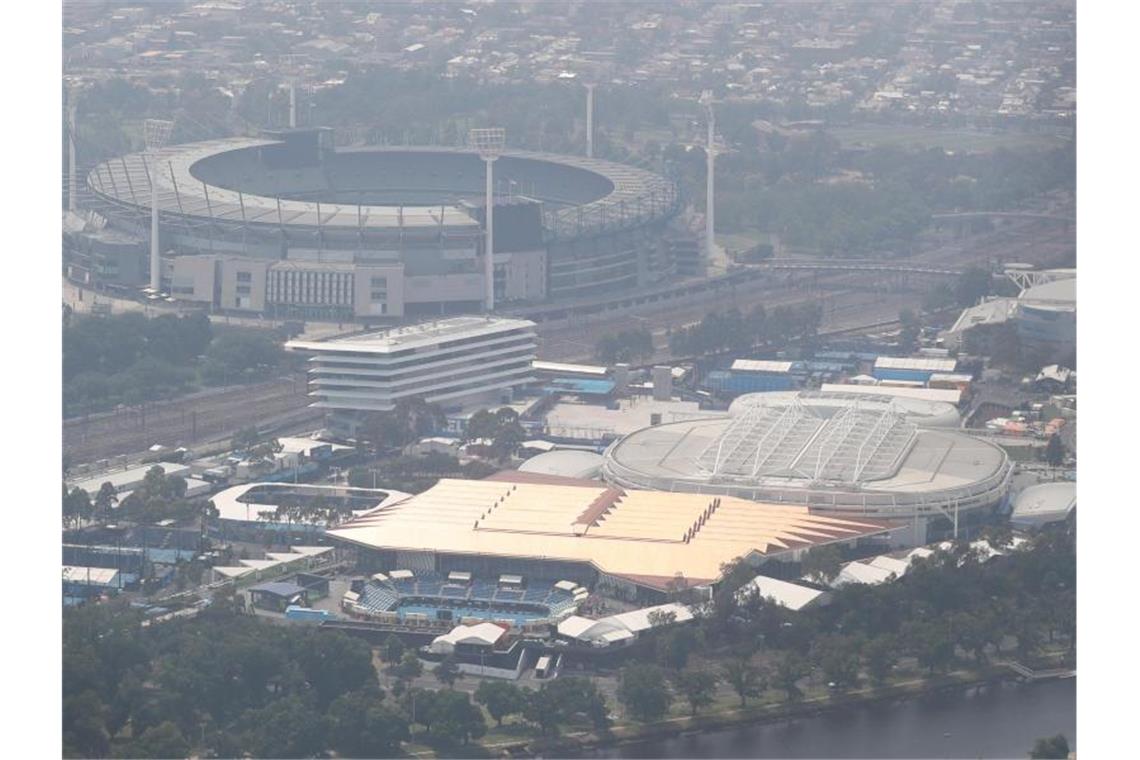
x,y
620,629
794,596
478,636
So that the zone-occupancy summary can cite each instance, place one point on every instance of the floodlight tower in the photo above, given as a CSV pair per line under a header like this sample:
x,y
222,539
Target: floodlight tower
x,y
489,142
291,65
156,133
71,170
590,120
710,153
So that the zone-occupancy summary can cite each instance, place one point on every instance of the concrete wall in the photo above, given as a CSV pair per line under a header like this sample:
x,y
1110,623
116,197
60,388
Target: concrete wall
x,y
194,278
393,305
234,295
526,275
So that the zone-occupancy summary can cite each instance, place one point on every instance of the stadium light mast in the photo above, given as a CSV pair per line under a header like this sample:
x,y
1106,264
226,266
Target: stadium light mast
x,y
156,133
710,153
71,169
291,64
489,143
590,120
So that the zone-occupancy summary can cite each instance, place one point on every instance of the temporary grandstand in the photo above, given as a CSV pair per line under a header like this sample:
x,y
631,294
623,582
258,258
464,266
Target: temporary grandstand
x,y
857,456
425,599
626,539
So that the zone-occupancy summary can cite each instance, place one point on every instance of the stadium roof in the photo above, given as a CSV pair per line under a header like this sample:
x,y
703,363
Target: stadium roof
x,y
566,462
1044,503
863,460
943,395
855,444
1060,295
182,192
644,536
235,504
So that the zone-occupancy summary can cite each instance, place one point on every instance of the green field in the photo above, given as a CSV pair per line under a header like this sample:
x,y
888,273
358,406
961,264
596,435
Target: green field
x,y
957,140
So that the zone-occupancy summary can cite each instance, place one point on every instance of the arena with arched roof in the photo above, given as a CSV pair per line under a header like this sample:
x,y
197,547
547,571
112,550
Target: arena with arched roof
x,y
849,455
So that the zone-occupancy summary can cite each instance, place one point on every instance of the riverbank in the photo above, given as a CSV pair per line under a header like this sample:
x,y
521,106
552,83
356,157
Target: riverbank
x,y
585,743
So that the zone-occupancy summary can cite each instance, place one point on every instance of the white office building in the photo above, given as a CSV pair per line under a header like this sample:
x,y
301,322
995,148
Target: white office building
x,y
452,362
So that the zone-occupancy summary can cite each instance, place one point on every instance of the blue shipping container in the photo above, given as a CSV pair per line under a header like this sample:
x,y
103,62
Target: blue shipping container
x,y
293,612
722,381
910,375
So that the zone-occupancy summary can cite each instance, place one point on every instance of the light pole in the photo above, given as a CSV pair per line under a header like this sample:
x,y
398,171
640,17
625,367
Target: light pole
x,y
590,121
710,203
71,170
489,143
156,133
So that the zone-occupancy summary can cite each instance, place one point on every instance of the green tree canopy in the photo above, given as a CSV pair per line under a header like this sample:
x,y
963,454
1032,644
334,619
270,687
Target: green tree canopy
x,y
697,687
501,698
644,691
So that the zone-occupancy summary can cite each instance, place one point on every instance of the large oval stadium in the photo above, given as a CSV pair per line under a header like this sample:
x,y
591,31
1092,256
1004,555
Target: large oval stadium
x,y
843,454
288,224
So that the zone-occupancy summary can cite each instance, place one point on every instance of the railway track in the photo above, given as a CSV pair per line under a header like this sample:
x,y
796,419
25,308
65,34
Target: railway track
x,y
183,421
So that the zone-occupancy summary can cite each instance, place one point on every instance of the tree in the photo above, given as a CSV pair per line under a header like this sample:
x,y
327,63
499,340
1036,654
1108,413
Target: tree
x,y
837,658
408,668
644,692
77,505
881,656
287,727
361,726
393,649
105,499
909,329
823,563
1051,747
558,701
697,687
789,670
675,646
162,741
334,663
452,717
972,285
481,426
448,672
501,698
1055,451
747,680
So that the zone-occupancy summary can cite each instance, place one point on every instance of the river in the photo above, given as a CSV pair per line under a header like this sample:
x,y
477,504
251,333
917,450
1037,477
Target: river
x,y
994,721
